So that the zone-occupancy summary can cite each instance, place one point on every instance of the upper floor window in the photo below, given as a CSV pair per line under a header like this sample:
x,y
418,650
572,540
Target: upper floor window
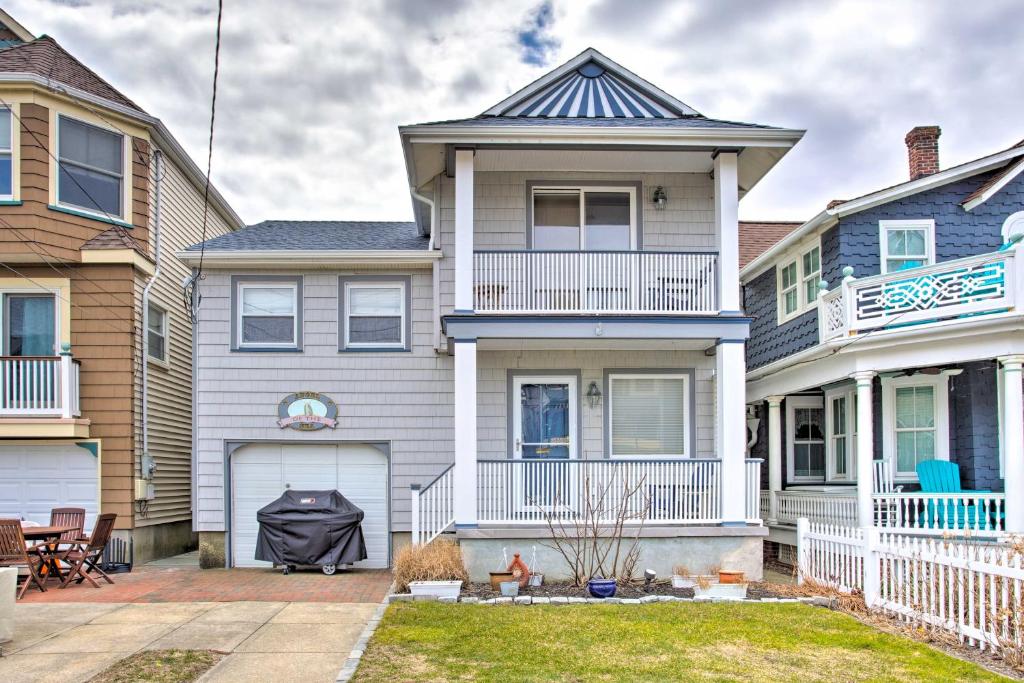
x,y
590,218
798,279
29,324
156,333
906,244
90,171
6,152
268,314
374,314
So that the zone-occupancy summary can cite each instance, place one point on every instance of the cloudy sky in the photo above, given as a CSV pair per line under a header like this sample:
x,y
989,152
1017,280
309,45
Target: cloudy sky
x,y
311,91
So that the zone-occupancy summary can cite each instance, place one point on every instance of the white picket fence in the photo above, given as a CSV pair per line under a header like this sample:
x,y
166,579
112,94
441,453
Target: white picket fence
x,y
973,590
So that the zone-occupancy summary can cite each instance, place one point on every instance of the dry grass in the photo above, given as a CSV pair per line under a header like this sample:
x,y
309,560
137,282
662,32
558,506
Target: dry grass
x,y
160,666
439,560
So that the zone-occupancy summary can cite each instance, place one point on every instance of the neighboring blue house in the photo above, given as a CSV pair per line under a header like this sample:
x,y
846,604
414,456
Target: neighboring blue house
x,y
900,312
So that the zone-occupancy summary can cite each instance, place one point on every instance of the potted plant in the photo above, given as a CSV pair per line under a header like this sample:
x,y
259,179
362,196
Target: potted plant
x,y
601,588
432,569
681,577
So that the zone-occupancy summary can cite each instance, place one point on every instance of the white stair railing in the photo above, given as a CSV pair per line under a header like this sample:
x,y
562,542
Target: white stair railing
x,y
433,507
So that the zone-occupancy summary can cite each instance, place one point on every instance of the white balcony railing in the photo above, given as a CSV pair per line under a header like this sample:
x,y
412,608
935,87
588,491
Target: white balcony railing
x,y
39,386
963,288
595,282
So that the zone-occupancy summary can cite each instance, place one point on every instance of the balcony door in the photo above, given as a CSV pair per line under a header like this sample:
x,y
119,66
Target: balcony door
x,y
584,219
544,423
29,325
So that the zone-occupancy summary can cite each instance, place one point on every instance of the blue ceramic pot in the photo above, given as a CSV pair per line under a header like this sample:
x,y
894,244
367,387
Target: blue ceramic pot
x,y
601,588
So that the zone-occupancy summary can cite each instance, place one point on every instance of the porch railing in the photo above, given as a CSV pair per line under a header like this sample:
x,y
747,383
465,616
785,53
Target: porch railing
x,y
433,507
966,287
39,386
595,282
819,507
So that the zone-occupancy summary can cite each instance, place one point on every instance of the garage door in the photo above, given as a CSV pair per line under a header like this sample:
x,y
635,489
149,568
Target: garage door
x,y
261,472
34,479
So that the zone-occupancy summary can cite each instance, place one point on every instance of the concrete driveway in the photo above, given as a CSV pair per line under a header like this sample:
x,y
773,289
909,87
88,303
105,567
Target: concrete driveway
x,y
267,641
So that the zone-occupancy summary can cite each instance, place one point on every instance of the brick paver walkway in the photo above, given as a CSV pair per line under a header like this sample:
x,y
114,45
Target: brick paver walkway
x,y
188,584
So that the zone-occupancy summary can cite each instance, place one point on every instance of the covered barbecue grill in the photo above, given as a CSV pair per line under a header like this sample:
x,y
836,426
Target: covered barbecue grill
x,y
310,528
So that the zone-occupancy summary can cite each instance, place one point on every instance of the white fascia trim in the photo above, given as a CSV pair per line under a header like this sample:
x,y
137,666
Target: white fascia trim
x,y
161,135
576,62
829,217
625,135
298,257
996,187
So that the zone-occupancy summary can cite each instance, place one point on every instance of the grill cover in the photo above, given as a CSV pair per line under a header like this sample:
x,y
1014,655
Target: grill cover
x,y
310,527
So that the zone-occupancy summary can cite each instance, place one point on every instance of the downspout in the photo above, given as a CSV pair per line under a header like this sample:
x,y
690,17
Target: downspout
x,y
434,269
158,155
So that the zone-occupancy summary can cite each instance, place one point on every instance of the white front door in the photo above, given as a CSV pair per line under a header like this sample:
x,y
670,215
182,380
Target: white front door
x,y
544,424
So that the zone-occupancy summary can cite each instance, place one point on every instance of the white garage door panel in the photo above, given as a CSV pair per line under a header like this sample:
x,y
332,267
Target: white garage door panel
x,y
35,479
261,472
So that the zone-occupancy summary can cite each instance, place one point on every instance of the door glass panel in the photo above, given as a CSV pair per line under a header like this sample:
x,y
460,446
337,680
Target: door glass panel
x,y
30,326
607,216
556,221
545,428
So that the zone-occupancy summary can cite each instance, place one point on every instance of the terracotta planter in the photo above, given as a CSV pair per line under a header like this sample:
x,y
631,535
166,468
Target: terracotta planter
x,y
498,577
729,576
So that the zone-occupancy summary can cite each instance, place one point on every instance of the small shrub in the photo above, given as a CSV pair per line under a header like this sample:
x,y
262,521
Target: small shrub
x,y
439,560
681,570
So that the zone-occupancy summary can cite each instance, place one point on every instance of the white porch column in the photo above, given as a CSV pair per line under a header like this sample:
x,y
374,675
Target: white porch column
x,y
463,230
727,231
465,432
865,449
774,456
1013,441
730,372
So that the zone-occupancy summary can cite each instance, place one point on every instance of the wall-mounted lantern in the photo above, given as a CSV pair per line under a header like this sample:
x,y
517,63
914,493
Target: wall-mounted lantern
x,y
593,395
659,197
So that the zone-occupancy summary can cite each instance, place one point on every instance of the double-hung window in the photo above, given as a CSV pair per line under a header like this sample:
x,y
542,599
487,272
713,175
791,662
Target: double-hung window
x,y
588,219
90,172
375,315
268,315
915,421
799,278
6,154
906,244
805,427
156,333
649,415
841,430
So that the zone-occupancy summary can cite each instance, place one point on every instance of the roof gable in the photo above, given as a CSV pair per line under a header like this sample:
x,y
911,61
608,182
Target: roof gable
x,y
591,86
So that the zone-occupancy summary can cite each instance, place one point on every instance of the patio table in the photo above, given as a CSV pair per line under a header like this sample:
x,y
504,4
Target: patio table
x,y
50,536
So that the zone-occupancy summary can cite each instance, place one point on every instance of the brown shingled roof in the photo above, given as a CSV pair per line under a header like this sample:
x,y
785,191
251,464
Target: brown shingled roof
x,y
1011,167
757,237
114,238
46,58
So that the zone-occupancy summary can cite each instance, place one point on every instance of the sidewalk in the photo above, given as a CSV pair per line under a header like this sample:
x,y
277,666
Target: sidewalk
x,y
268,641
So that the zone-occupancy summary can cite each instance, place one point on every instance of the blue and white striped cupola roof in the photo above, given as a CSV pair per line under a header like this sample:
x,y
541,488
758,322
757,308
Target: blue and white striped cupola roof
x,y
592,86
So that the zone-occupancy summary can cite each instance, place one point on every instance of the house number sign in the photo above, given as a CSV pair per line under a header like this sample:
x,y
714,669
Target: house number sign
x,y
307,411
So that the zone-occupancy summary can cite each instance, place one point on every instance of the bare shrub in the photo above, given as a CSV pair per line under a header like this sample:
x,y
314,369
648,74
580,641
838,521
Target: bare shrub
x,y
439,560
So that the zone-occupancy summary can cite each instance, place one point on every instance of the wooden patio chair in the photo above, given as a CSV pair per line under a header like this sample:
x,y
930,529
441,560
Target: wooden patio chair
x,y
14,552
86,556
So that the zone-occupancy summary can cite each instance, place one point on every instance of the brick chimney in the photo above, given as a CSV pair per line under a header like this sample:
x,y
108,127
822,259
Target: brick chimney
x,y
923,151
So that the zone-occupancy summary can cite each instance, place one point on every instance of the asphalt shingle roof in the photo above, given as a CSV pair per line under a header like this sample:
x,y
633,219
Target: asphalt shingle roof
x,y
622,122
757,237
114,238
320,236
45,57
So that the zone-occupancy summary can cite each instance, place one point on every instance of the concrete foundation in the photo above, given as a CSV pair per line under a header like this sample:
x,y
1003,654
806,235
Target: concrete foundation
x,y
700,550
212,554
162,540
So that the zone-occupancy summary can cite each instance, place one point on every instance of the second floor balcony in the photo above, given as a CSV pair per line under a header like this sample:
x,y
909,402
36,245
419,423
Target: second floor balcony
x,y
39,386
595,282
954,291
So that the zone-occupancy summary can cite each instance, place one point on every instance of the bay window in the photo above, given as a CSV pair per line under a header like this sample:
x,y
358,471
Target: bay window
x,y
90,173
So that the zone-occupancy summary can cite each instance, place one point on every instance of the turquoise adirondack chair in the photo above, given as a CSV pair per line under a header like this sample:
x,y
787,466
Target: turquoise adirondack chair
x,y
939,476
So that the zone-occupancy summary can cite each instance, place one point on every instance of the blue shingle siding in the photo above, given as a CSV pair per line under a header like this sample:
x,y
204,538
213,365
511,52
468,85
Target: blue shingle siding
x,y
958,233
770,341
974,426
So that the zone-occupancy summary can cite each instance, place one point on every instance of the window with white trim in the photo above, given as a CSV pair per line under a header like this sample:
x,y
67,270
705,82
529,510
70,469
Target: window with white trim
x,y
267,315
6,154
90,172
584,218
906,244
915,421
841,432
649,415
156,333
375,315
805,438
798,281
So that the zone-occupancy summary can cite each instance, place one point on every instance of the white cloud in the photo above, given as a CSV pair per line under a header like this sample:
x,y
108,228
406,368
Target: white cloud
x,y
311,94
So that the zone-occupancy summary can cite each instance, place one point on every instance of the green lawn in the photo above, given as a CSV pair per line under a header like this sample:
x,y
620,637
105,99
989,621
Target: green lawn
x,y
672,641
